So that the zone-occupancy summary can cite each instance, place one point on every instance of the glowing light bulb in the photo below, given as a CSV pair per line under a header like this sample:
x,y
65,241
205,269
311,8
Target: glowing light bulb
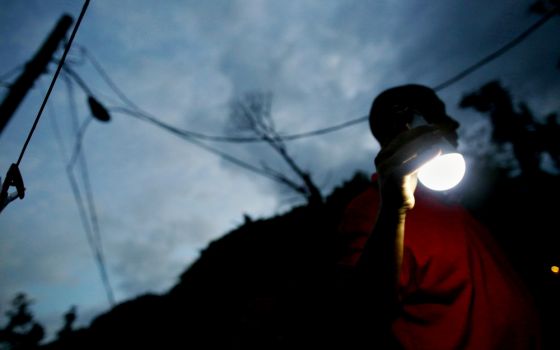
x,y
443,172
555,270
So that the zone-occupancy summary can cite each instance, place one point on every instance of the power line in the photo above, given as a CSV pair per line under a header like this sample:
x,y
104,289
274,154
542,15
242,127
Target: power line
x,y
78,79
80,132
134,107
91,227
511,44
195,137
93,234
71,178
103,73
74,186
79,200
185,136
218,138
322,131
73,182
100,256
190,136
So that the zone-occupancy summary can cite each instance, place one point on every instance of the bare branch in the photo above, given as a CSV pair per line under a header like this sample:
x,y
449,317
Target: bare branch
x,y
252,114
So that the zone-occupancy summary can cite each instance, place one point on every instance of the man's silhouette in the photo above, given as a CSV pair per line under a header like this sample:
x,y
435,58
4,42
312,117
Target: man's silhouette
x,y
426,274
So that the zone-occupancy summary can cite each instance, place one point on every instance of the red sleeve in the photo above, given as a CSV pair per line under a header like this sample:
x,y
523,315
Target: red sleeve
x,y
458,289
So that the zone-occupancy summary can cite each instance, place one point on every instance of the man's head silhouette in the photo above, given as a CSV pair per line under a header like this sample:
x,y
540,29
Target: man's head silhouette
x,y
394,110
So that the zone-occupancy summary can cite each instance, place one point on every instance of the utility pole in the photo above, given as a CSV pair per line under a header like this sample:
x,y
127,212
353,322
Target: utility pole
x,y
33,69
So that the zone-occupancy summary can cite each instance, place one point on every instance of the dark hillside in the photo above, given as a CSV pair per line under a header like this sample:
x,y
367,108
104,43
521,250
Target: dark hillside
x,y
266,284
269,284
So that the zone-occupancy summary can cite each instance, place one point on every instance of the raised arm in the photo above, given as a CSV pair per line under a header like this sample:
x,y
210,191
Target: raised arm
x,y
379,267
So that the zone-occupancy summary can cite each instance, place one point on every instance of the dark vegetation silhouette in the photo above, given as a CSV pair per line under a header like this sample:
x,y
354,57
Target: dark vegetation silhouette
x,y
519,201
268,284
517,127
68,326
260,286
542,7
21,331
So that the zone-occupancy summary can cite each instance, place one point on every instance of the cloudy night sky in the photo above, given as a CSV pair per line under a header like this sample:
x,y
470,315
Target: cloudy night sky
x,y
160,200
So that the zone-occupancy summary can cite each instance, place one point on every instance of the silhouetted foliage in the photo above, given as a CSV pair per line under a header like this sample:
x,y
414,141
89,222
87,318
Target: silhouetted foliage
x,y
266,284
67,327
22,332
542,7
516,126
549,134
521,210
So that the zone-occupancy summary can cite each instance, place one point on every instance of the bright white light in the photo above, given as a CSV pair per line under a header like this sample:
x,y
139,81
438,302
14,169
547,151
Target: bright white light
x,y
443,172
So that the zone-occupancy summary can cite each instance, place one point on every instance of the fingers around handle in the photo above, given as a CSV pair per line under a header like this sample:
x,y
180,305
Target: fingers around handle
x,y
409,151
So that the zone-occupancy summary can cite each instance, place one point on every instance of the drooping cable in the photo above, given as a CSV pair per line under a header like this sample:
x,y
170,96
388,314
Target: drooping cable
x,y
497,53
94,232
185,136
192,137
195,137
77,150
217,138
448,82
71,178
78,198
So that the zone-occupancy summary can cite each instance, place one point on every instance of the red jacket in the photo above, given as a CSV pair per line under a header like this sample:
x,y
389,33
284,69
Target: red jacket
x,y
457,289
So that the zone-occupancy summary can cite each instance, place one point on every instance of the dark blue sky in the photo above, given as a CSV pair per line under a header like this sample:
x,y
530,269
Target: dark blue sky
x,y
160,200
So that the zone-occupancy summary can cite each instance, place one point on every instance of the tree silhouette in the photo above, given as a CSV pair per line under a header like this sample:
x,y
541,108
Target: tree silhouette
x,y
69,319
21,332
542,7
521,210
515,126
550,138
251,113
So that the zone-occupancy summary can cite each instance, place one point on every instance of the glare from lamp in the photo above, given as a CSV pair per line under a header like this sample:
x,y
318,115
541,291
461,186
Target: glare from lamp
x,y
442,172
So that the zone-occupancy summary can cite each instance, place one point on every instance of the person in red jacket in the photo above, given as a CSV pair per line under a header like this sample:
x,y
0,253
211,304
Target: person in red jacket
x,y
427,275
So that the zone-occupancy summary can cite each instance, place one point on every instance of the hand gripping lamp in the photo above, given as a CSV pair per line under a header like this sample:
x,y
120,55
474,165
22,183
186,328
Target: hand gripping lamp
x,y
446,170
